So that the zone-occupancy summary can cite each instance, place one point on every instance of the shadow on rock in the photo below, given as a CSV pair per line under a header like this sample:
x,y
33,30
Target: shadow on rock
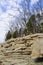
x,y
39,60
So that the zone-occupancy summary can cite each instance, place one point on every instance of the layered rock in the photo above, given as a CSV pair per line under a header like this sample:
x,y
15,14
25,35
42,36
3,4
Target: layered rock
x,y
20,50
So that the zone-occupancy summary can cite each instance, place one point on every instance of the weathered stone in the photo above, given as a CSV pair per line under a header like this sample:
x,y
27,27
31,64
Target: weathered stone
x,y
19,51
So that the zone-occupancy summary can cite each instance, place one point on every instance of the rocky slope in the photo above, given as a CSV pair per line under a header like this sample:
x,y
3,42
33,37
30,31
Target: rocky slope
x,y
22,51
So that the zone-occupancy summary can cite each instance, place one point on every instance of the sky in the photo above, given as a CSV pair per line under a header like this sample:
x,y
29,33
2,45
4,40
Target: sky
x,y
8,7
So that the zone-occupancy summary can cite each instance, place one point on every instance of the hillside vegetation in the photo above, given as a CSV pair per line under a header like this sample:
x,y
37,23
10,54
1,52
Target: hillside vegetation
x,y
34,25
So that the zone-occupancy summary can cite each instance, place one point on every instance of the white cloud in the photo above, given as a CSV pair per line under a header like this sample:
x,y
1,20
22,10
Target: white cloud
x,y
5,18
2,30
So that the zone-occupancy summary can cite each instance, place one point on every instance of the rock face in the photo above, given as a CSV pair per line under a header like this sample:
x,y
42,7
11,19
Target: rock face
x,y
19,51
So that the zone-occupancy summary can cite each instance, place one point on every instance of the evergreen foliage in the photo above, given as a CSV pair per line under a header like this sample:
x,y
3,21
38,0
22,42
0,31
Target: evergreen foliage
x,y
15,34
8,35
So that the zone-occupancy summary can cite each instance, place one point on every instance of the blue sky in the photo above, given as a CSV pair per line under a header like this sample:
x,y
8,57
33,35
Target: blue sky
x,y
6,7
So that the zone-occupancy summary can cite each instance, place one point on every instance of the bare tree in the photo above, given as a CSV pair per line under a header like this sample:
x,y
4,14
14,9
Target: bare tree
x,y
24,16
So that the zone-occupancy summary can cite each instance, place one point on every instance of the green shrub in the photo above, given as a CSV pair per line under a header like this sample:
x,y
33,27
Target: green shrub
x,y
8,36
15,34
31,24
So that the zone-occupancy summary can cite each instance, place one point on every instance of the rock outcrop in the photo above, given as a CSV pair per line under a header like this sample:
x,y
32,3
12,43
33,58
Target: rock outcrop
x,y
20,50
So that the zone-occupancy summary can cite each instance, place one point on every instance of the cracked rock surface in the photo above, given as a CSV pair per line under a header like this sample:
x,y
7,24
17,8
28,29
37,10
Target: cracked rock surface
x,y
22,51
